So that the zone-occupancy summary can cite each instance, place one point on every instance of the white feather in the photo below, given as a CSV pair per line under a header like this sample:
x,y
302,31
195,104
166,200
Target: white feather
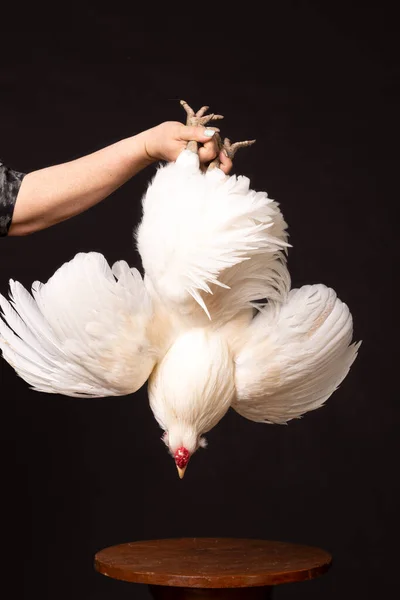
x,y
294,356
192,387
87,332
196,227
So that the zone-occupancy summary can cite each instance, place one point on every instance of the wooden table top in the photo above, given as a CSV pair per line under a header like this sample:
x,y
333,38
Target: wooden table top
x,y
212,562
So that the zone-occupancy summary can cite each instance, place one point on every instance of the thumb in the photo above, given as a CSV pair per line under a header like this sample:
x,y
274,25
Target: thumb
x,y
197,134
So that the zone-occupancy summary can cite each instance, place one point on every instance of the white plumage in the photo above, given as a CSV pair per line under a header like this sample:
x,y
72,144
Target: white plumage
x,y
211,246
79,332
294,355
196,226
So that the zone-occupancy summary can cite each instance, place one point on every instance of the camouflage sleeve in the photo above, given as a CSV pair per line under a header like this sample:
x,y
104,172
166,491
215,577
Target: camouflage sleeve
x,y
10,182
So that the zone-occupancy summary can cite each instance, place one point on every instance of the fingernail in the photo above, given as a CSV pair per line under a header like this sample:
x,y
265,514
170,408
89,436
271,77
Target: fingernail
x,y
209,132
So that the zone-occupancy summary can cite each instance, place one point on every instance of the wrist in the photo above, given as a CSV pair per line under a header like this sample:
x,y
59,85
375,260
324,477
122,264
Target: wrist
x,y
149,138
139,153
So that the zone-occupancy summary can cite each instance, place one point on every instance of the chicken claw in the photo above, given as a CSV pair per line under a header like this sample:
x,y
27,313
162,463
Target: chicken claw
x,y
199,118
229,148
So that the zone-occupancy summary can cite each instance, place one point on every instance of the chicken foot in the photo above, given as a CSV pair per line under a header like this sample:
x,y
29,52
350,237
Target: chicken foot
x,y
199,118
229,148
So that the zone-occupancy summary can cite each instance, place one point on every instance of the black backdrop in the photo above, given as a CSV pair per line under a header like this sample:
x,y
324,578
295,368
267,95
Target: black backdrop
x,y
318,91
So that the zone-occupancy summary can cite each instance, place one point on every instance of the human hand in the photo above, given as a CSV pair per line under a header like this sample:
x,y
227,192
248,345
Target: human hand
x,y
166,142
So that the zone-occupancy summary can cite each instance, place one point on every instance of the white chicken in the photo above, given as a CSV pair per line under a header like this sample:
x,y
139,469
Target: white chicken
x,y
211,248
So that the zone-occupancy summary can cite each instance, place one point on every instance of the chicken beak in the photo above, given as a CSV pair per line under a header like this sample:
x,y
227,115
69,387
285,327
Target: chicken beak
x,y
181,456
181,472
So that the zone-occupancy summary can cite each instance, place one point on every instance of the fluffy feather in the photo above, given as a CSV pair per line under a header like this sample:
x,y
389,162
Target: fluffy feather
x,y
192,387
294,356
196,228
86,332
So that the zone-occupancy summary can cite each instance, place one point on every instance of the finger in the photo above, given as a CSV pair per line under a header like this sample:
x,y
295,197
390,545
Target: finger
x,y
198,134
208,151
226,163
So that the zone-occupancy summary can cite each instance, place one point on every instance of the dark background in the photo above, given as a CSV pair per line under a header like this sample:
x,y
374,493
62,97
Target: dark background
x,y
318,88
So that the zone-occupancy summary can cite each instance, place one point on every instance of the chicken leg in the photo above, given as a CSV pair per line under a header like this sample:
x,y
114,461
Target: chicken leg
x,y
229,148
199,118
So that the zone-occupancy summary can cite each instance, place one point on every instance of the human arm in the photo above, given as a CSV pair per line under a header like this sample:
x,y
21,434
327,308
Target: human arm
x,y
54,194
